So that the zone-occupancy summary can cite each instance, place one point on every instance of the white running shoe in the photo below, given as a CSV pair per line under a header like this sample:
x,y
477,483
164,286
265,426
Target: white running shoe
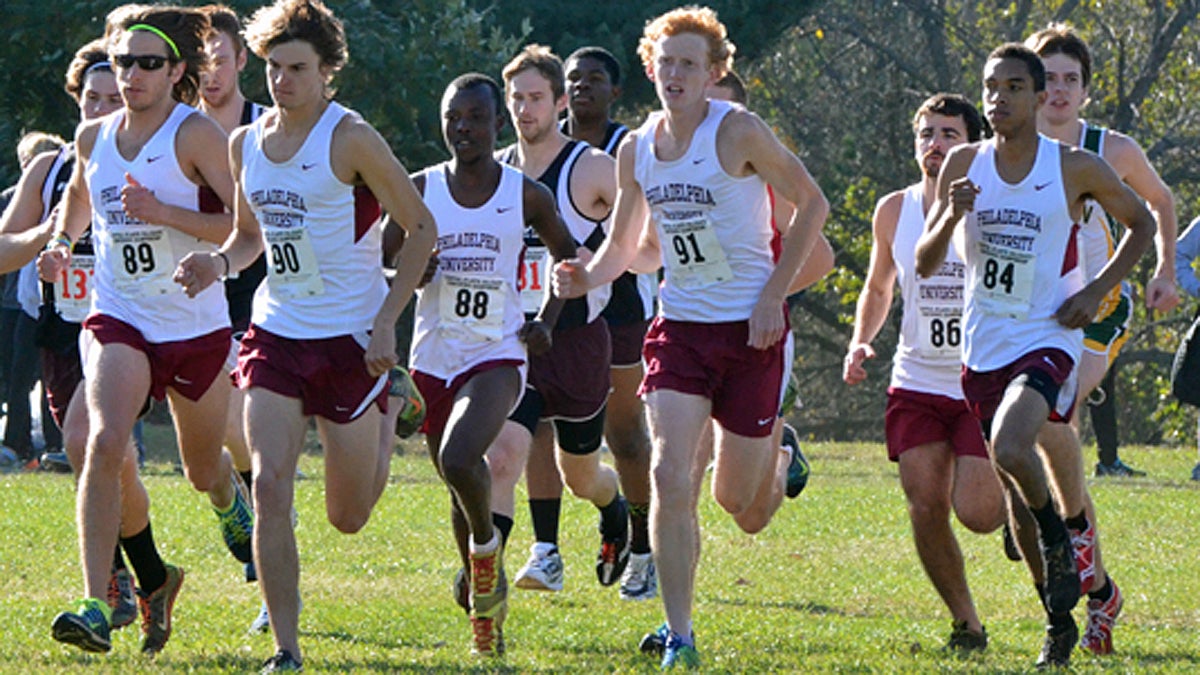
x,y
262,622
543,571
640,581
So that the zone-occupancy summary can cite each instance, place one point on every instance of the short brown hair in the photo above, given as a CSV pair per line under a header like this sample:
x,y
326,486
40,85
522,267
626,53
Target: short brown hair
x,y
691,19
34,143
736,86
952,105
545,62
187,29
1061,38
225,20
307,20
90,57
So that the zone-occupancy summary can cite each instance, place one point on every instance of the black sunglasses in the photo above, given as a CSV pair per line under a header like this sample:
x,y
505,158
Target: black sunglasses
x,y
144,61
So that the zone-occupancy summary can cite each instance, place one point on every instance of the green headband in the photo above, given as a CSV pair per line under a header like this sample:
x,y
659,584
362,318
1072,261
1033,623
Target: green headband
x,y
159,33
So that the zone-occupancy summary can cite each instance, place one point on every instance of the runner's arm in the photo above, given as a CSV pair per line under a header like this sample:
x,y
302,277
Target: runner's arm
x,y
875,300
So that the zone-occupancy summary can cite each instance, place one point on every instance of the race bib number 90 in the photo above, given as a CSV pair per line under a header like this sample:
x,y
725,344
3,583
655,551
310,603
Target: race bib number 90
x,y
1003,283
693,254
292,263
472,308
141,262
73,288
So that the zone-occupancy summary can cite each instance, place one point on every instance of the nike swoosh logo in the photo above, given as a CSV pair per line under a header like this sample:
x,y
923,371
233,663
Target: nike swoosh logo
x,y
306,167
1049,362
697,161
180,380
151,160
504,209
1043,186
340,408
765,422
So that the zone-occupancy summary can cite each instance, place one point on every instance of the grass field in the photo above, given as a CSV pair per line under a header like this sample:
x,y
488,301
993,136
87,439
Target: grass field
x,y
832,585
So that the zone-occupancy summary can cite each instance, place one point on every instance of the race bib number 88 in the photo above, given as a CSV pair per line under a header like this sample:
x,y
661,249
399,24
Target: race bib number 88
x,y
472,309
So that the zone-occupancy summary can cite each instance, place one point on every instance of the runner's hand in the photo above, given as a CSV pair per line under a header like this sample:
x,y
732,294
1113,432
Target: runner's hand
x,y
853,371
197,271
536,336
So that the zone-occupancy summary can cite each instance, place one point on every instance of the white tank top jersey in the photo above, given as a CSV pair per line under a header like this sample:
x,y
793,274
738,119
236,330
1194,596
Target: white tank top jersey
x,y
1098,235
929,354
29,285
714,229
324,257
471,311
1022,261
135,260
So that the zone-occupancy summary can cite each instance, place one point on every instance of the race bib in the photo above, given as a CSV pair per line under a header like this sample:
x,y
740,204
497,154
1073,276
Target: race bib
x,y
1003,283
292,263
73,288
535,275
939,332
142,262
693,254
472,308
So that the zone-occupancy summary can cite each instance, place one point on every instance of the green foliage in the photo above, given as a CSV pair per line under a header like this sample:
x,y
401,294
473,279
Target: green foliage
x,y
842,86
833,585
402,55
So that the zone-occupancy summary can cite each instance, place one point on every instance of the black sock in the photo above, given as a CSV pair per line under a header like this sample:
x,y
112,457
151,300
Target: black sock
x,y
118,559
1053,619
1078,523
544,514
504,526
1103,594
248,479
143,555
610,515
1050,524
639,528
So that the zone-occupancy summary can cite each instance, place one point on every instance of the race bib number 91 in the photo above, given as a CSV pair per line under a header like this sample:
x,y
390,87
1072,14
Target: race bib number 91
x,y
693,254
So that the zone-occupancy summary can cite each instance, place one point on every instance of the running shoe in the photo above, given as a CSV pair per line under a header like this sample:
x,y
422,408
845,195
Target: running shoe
x,y
797,472
122,598
86,628
679,654
1083,543
963,639
1117,469
655,643
55,462
237,524
1062,577
1102,614
412,414
489,602
282,662
1060,640
543,571
640,581
11,461
614,545
262,622
156,611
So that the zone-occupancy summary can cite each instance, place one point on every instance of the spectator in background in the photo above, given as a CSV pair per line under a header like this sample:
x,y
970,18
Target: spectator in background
x,y
1187,249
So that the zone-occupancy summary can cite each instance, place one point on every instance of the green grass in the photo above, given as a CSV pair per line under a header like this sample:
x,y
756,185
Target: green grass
x,y
832,585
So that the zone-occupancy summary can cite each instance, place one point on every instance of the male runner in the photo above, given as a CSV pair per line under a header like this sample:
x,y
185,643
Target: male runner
x,y
321,339
1068,75
469,344
931,434
699,170
150,187
564,401
1018,198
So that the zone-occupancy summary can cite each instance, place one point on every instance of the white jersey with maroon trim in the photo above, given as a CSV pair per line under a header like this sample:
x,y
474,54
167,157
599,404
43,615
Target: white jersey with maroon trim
x,y
1022,261
135,260
470,312
714,229
929,353
322,240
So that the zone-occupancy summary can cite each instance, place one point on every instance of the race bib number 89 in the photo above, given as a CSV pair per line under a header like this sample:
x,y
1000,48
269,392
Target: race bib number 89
x,y
141,262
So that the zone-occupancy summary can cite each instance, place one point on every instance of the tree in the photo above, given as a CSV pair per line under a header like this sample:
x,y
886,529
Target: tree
x,y
842,86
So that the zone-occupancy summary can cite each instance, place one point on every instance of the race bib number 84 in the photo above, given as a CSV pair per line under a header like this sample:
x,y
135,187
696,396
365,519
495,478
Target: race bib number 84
x,y
1003,283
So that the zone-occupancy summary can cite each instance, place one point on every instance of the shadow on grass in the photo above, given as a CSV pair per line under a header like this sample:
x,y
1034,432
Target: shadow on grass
x,y
809,607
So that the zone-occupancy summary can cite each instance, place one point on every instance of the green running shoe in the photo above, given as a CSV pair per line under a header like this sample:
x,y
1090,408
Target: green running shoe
x,y
86,628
